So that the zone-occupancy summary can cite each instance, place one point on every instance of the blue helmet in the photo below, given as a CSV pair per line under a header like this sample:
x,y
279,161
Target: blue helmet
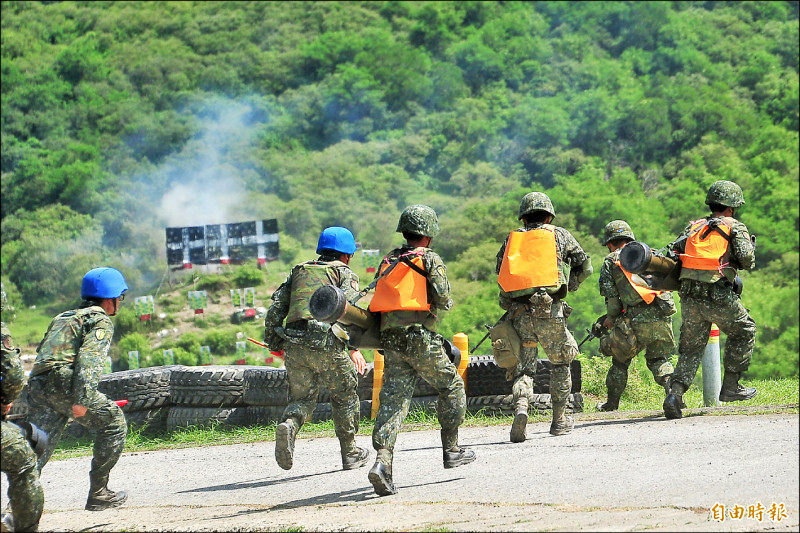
x,y
103,282
337,239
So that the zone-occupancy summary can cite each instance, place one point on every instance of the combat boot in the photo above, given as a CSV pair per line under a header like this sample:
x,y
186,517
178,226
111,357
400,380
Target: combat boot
x,y
611,404
520,424
457,456
380,475
562,422
101,497
674,401
285,434
731,391
355,459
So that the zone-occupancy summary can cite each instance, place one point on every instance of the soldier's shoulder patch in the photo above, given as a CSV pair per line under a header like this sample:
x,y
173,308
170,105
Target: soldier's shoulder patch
x,y
100,334
354,284
441,270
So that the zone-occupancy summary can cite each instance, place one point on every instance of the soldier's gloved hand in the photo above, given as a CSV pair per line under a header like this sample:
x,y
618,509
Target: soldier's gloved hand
x,y
360,362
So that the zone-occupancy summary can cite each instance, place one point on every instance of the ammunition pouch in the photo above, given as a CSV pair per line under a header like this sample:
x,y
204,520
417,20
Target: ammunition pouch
x,y
540,304
621,342
506,344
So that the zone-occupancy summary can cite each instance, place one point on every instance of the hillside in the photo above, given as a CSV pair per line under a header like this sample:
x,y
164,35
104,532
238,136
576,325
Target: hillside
x,y
122,119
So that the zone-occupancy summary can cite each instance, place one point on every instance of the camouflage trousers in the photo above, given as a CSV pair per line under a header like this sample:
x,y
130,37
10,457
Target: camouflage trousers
x,y
51,400
306,370
726,311
654,336
25,494
552,335
410,352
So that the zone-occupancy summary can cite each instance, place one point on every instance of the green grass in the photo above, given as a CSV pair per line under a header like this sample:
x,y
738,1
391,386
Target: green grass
x,y
641,394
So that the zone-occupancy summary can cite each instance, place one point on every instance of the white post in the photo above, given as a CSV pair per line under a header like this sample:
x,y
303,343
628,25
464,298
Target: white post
x,y
712,375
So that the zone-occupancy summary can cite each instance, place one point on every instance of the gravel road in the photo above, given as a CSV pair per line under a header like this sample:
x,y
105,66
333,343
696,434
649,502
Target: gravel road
x,y
607,475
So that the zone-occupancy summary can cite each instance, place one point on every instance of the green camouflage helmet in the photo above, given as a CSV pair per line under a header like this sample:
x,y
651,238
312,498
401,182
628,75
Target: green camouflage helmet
x,y
725,193
536,201
419,219
617,229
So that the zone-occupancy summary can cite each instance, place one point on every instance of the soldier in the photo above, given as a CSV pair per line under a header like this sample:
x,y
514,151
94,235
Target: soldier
x,y
637,317
711,250
536,266
316,352
411,298
63,382
25,494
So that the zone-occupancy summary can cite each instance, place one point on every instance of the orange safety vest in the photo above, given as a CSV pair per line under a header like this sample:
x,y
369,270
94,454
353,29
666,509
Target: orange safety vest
x,y
647,294
402,289
529,260
705,247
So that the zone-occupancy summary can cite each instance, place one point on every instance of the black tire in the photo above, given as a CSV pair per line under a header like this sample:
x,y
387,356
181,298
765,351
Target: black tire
x,y
148,422
144,388
503,404
208,386
264,415
183,417
265,386
492,405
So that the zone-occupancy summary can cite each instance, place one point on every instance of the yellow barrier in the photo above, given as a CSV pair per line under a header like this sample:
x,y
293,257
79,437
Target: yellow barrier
x,y
377,382
461,341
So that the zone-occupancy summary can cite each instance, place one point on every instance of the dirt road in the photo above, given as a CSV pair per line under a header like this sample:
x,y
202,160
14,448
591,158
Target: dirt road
x,y
610,474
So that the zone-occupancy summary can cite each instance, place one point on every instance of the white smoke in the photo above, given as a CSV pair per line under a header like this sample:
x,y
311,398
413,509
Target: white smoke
x,y
205,180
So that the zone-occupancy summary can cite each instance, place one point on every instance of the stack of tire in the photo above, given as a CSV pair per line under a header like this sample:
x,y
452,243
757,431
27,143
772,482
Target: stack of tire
x,y
488,390
266,393
148,393
177,396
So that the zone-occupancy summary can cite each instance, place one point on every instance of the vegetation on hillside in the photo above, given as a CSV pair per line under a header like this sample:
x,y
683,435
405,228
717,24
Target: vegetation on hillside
x,y
122,118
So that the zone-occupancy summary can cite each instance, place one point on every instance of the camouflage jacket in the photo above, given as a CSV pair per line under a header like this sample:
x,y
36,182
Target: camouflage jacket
x,y
618,298
12,375
80,339
438,292
569,252
341,277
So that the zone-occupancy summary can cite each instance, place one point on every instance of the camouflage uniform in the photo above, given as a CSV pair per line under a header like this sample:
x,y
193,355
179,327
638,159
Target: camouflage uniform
x,y
704,303
314,355
645,327
709,296
71,358
539,316
25,494
413,348
545,324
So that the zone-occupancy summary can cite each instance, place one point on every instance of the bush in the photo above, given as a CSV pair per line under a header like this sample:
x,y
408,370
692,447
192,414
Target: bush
x,y
248,276
132,342
212,283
